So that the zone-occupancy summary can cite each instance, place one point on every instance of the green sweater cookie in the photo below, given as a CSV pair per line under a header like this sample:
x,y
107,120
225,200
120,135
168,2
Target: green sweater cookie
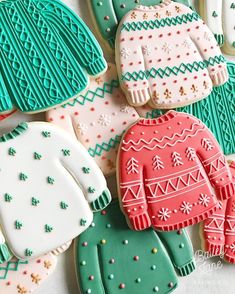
x,y
46,51
112,259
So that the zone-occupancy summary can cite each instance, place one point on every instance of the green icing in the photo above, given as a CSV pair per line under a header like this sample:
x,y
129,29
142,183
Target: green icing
x,y
63,205
48,229
21,128
175,70
11,266
66,152
220,39
149,258
156,24
23,177
232,5
28,252
35,201
86,170
91,190
46,134
83,222
217,111
11,151
18,225
102,201
8,197
5,255
63,47
50,180
108,14
37,156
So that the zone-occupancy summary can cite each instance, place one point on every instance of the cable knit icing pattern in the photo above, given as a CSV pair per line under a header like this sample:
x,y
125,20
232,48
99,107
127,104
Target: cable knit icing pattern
x,y
217,111
98,118
45,49
151,258
167,57
109,13
23,277
166,167
218,231
48,181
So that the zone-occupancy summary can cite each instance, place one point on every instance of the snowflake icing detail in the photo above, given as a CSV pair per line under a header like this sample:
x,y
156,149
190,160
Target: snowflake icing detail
x,y
166,48
164,214
125,108
82,128
204,199
104,120
125,52
147,50
232,247
187,44
186,207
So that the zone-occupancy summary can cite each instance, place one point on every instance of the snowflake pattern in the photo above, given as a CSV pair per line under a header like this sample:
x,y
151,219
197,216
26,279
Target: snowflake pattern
x,y
186,207
204,199
232,247
125,108
147,50
187,44
104,120
166,48
164,214
125,53
82,128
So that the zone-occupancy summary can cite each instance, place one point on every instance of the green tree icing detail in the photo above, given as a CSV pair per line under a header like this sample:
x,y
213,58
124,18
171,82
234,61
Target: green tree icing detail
x,y
48,229
46,134
37,156
18,225
232,6
86,170
50,180
214,14
28,252
8,197
91,190
35,201
11,151
66,152
63,205
23,177
83,222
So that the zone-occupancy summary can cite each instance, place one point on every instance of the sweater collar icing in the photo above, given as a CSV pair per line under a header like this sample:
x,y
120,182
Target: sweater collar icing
x,y
162,5
21,128
160,120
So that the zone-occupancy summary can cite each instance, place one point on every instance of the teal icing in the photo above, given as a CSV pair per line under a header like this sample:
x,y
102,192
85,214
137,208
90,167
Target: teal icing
x,y
45,52
21,128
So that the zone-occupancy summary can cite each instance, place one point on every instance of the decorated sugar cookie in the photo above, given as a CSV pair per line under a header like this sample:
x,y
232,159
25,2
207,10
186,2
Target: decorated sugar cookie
x,y
167,168
112,259
220,17
98,118
46,51
49,187
217,111
218,231
167,57
107,15
17,276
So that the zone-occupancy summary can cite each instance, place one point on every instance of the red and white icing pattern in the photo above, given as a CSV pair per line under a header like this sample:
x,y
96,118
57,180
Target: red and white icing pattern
x,y
103,116
26,278
219,229
167,168
168,48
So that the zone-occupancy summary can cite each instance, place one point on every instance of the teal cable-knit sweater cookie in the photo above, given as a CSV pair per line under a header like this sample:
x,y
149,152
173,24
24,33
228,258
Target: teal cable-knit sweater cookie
x,y
46,51
112,259
108,14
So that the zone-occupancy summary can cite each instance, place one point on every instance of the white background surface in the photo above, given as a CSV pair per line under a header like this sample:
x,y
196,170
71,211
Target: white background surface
x,y
212,275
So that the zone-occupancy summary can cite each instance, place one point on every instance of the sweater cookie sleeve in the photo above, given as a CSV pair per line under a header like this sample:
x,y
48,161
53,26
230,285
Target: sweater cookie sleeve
x,y
106,19
209,51
180,249
78,162
77,36
5,101
215,164
131,185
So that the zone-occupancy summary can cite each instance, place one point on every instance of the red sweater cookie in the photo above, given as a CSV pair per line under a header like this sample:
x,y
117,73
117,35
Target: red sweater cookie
x,y
168,168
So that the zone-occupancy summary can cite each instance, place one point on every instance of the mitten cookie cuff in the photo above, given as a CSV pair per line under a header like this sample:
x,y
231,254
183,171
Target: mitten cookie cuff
x,y
139,97
97,67
187,268
226,191
220,76
5,254
102,201
140,222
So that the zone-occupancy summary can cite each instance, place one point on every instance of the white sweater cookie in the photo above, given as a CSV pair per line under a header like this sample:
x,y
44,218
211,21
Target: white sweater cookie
x,y
49,187
167,57
98,118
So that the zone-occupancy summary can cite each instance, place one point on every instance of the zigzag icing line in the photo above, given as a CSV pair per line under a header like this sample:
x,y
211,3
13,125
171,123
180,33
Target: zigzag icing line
x,y
162,147
164,137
